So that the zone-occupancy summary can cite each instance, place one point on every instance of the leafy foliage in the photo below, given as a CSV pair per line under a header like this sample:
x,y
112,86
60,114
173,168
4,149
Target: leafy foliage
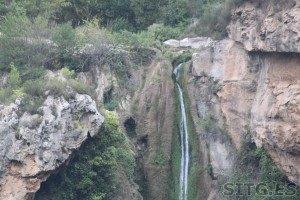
x,y
65,39
213,15
92,173
12,88
255,165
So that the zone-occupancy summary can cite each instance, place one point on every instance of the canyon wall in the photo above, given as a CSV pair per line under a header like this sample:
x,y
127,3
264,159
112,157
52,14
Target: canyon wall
x,y
248,85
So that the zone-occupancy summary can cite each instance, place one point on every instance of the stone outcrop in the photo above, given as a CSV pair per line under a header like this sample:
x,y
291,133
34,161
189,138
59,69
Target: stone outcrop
x,y
249,92
34,145
271,26
192,43
275,112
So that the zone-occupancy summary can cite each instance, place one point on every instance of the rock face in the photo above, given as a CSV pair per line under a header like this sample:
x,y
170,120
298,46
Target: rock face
x,y
153,108
275,111
271,26
32,146
248,92
217,83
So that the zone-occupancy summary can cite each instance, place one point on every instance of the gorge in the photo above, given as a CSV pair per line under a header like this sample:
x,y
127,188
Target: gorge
x,y
186,117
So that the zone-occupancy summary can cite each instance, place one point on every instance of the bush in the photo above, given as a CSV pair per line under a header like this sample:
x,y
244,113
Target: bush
x,y
67,73
12,90
254,165
34,87
14,80
119,24
65,39
79,87
159,158
56,87
214,18
25,42
184,57
32,104
32,73
92,44
162,33
112,105
5,95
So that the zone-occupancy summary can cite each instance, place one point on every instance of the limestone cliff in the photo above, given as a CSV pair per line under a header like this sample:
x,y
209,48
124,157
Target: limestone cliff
x,y
248,84
270,26
34,145
243,92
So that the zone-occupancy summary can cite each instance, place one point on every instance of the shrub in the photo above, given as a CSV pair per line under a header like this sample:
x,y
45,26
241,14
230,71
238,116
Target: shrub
x,y
31,73
25,42
206,124
65,39
111,105
162,33
79,87
184,57
159,158
119,24
67,73
14,77
214,18
56,87
92,44
5,95
32,104
216,87
34,87
12,90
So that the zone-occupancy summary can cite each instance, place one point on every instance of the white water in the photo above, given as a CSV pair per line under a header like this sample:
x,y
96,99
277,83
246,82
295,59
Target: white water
x,y
184,136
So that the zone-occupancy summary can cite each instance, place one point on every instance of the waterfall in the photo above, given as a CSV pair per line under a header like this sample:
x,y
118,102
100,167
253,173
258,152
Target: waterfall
x,y
184,144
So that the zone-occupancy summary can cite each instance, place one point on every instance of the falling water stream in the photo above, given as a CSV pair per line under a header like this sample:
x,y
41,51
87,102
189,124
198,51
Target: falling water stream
x,y
184,163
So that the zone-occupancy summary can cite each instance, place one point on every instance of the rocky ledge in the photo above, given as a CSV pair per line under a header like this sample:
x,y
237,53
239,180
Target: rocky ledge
x,y
34,145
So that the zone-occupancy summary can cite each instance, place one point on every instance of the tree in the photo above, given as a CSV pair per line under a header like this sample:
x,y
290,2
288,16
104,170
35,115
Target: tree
x,y
14,80
65,39
147,12
175,12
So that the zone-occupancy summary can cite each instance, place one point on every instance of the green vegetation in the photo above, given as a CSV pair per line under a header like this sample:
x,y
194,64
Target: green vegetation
x,y
213,15
254,165
12,89
176,150
75,35
159,158
207,123
184,57
195,168
93,173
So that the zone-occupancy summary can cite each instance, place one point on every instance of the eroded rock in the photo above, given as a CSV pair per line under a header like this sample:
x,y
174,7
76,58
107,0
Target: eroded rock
x,y
31,146
271,26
